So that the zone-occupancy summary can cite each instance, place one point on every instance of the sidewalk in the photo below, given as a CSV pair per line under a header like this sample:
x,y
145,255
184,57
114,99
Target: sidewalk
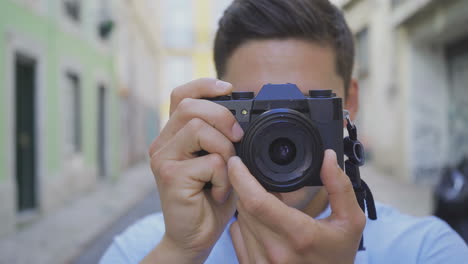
x,y
62,235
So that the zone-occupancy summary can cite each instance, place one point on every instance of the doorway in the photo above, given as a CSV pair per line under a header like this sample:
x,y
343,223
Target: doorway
x,y
458,108
25,70
102,131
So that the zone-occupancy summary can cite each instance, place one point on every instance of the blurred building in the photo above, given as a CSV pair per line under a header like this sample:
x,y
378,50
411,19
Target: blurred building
x,y
138,68
178,37
412,64
77,107
186,32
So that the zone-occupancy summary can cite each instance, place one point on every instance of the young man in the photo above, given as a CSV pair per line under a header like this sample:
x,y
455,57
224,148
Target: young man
x,y
306,42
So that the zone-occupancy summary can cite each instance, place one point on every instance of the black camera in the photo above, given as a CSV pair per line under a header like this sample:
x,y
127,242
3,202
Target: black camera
x,y
286,133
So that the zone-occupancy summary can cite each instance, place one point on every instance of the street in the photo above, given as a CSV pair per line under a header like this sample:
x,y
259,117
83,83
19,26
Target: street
x,y
93,252
84,226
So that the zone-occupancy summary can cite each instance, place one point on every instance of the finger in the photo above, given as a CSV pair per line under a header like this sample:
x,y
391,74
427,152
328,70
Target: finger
x,y
239,243
212,113
266,237
340,190
221,187
260,204
205,87
243,181
195,136
193,174
255,249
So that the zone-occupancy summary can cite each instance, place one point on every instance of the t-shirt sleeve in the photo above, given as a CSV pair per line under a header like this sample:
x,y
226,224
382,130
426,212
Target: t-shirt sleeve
x,y
115,254
136,241
443,245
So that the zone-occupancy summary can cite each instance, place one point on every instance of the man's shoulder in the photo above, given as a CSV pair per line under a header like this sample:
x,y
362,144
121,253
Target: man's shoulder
x,y
148,230
139,239
132,245
391,238
154,221
397,236
395,221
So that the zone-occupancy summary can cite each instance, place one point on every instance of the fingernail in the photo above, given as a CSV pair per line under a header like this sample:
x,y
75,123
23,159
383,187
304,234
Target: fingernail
x,y
223,85
231,160
237,131
331,154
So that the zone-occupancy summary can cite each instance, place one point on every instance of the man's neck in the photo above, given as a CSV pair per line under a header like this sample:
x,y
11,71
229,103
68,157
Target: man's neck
x,y
318,204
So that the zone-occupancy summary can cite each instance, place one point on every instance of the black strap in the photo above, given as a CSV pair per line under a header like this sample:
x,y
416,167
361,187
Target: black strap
x,y
370,204
355,152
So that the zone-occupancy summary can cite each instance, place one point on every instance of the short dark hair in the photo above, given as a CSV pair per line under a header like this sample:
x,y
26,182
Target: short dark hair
x,y
314,20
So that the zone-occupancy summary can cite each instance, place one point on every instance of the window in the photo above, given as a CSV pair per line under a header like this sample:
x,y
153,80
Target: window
x,y
362,53
178,24
73,113
396,3
105,21
72,9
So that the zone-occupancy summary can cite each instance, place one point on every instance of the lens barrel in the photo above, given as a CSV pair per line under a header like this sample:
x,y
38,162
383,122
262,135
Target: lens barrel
x,y
283,149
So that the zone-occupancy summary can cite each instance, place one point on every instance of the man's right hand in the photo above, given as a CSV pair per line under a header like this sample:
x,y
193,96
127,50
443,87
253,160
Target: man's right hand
x,y
194,217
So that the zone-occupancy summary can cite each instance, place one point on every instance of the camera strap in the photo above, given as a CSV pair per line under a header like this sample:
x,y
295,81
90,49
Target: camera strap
x,y
354,150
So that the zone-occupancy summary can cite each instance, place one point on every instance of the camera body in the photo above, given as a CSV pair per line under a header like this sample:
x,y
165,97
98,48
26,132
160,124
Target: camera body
x,y
286,133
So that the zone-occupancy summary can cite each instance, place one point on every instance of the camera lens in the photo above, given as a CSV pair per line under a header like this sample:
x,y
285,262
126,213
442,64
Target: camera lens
x,y
282,151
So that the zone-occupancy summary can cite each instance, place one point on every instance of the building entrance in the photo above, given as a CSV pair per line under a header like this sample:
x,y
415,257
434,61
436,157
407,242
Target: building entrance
x,y
458,95
25,140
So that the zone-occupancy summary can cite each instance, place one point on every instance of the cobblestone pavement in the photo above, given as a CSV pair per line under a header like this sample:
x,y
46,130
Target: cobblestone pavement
x,y
62,235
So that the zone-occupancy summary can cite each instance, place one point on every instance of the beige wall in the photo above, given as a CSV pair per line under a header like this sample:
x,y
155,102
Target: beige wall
x,y
138,75
405,98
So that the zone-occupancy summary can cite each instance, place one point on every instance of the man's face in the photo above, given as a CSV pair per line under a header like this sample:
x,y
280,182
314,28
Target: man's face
x,y
308,65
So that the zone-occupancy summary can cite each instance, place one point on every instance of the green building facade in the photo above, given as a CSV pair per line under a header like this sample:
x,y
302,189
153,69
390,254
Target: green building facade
x,y
59,105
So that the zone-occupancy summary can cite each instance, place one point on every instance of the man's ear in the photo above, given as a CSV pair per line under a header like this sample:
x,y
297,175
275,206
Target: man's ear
x,y
352,99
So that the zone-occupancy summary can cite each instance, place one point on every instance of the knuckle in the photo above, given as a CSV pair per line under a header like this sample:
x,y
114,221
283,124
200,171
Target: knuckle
x,y
195,124
166,171
176,94
155,145
225,115
227,148
300,242
156,161
185,105
359,222
152,148
217,161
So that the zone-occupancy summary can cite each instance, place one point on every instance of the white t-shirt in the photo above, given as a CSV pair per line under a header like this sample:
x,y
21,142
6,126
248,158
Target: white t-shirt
x,y
392,238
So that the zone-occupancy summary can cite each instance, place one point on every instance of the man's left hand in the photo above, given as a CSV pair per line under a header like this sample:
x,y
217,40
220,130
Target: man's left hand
x,y
269,231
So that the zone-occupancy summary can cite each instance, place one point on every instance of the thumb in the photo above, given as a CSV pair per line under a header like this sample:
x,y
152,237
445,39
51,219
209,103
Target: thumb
x,y
238,242
341,195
